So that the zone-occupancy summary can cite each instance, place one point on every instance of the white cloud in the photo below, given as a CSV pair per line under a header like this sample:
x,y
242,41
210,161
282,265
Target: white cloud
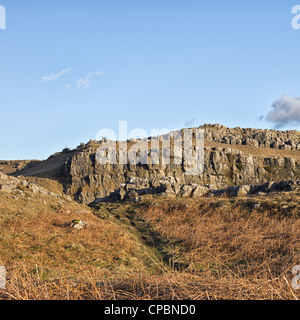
x,y
55,76
285,110
86,81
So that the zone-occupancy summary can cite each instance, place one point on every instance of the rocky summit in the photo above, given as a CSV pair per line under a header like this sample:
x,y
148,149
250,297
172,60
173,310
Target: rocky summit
x,y
233,157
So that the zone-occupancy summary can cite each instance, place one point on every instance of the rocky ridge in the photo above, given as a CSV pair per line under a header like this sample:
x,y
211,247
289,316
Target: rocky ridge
x,y
275,139
232,157
88,180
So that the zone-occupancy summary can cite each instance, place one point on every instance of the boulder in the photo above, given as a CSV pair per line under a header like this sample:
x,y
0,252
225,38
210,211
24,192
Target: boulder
x,y
200,191
186,191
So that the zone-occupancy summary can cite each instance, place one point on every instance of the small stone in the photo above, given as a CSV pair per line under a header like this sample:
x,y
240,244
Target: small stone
x,y
77,224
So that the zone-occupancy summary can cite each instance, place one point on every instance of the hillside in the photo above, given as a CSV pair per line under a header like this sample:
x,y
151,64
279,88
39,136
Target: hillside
x,y
71,229
242,248
232,157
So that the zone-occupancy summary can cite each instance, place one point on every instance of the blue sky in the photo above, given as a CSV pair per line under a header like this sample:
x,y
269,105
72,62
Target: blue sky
x,y
70,68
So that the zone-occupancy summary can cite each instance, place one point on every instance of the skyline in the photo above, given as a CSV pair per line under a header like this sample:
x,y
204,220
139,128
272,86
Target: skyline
x,y
71,69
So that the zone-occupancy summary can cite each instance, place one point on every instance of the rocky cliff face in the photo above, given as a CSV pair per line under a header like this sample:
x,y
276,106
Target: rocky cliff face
x,y
286,140
233,156
238,157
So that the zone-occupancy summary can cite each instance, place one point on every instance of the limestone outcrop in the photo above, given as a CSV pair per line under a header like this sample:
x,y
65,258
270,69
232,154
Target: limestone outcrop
x,y
286,140
136,188
24,187
232,157
223,167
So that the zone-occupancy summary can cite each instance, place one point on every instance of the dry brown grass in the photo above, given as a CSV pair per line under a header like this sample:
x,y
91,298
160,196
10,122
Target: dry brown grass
x,y
168,286
49,184
210,249
43,254
253,250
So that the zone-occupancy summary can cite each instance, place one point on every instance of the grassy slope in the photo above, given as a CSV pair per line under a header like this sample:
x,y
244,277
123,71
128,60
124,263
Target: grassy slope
x,y
209,249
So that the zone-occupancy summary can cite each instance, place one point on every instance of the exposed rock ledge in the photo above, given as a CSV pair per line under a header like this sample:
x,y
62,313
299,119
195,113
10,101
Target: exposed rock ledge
x,y
19,187
135,188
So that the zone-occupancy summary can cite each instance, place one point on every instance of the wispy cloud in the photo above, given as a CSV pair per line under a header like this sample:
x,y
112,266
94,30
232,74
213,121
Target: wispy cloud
x,y
55,76
86,81
285,110
190,122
